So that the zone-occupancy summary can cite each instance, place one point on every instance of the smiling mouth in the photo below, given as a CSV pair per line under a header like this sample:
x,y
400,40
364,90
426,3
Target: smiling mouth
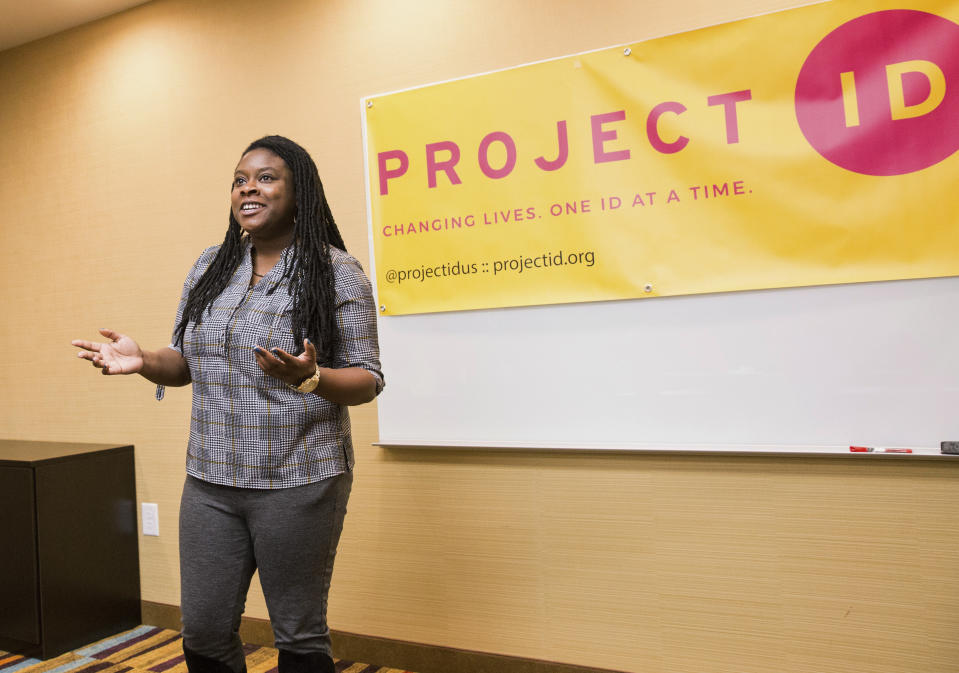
x,y
248,208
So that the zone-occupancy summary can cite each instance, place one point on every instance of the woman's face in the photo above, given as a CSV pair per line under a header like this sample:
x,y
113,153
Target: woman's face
x,y
263,199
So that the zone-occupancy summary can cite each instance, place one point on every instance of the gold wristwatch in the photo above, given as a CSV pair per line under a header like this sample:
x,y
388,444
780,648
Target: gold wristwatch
x,y
308,385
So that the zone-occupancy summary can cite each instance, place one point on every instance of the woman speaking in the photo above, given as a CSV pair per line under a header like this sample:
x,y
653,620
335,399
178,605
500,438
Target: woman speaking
x,y
276,331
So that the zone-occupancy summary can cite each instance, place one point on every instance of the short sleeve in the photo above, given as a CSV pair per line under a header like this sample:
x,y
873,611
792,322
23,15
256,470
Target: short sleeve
x,y
199,266
356,319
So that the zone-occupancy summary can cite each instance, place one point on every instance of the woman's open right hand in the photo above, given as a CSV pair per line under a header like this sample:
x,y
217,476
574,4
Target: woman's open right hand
x,y
121,355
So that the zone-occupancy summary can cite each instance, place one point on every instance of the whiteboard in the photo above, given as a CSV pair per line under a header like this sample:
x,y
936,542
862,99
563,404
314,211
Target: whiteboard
x,y
869,363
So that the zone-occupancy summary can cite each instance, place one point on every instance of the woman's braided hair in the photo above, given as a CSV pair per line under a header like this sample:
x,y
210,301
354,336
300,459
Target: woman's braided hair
x,y
309,270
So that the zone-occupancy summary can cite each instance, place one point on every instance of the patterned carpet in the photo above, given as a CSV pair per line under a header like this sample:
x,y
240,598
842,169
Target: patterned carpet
x,y
150,649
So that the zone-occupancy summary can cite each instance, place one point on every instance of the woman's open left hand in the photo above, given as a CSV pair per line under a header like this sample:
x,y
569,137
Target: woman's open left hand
x,y
291,369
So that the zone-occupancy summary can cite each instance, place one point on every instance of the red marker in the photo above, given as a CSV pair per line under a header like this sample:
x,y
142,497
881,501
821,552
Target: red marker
x,y
897,450
860,449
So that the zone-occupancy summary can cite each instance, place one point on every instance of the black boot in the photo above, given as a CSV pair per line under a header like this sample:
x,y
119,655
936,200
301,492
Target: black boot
x,y
197,663
312,662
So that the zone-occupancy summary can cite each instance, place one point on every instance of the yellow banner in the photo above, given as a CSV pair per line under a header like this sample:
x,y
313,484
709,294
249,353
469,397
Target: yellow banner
x,y
806,147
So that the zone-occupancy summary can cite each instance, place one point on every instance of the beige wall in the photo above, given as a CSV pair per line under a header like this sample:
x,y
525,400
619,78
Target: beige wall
x,y
118,142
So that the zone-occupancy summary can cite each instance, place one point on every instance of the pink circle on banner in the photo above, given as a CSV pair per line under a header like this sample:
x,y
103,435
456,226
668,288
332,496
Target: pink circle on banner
x,y
866,97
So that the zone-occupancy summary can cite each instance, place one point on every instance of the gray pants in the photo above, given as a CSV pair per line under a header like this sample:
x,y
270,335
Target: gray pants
x,y
289,534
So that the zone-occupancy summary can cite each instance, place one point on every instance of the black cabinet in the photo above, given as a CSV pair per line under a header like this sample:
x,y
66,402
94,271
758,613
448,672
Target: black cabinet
x,y
69,565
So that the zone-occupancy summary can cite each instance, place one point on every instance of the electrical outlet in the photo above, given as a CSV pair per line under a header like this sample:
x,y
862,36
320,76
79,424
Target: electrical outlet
x,y
151,518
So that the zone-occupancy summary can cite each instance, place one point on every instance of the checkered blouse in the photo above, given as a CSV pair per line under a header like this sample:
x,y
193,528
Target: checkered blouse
x,y
249,429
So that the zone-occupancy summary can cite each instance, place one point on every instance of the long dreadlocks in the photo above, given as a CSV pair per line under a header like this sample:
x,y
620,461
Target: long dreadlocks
x,y
308,271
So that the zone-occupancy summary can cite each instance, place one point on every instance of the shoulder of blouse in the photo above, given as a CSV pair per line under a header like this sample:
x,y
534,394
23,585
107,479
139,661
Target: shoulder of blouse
x,y
207,255
350,279
202,263
338,257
